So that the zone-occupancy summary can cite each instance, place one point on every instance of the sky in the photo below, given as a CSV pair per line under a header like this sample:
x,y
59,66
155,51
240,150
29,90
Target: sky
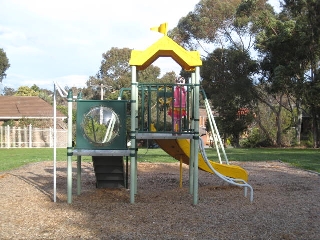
x,y
63,40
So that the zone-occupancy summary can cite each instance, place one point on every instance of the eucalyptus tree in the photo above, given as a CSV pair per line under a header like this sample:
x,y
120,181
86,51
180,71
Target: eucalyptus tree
x,y
226,26
307,18
274,43
289,46
168,77
115,73
228,82
4,64
149,75
219,23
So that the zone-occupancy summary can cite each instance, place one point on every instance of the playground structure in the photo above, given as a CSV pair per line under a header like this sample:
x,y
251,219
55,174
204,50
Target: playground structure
x,y
155,113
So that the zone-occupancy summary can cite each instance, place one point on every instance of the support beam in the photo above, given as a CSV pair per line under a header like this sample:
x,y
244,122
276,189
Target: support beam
x,y
133,160
54,143
196,136
136,130
191,160
64,94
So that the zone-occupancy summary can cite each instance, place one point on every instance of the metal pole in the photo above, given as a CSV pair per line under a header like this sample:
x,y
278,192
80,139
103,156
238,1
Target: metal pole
x,y
54,144
69,147
196,135
101,91
133,136
63,93
191,160
79,169
136,129
127,171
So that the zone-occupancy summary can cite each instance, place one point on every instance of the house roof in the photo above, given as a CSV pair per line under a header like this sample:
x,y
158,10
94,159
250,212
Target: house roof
x,y
165,47
17,107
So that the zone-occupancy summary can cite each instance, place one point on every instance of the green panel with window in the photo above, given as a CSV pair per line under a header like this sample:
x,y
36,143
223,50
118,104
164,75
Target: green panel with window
x,y
101,124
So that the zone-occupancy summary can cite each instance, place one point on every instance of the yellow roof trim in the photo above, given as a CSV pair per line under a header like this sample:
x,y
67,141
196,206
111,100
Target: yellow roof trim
x,y
165,47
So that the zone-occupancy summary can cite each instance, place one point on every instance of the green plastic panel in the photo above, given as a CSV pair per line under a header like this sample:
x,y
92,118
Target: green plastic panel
x,y
101,124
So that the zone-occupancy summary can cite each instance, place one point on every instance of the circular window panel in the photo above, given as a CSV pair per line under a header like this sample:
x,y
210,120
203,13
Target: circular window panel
x,y
101,125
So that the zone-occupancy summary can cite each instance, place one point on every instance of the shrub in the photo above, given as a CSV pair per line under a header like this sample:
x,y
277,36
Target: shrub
x,y
255,139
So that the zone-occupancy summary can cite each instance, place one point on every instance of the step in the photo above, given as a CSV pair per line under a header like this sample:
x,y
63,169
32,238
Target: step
x,y
109,184
109,171
102,160
111,177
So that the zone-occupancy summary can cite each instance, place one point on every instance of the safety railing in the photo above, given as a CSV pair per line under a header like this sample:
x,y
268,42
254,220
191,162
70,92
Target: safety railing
x,y
167,106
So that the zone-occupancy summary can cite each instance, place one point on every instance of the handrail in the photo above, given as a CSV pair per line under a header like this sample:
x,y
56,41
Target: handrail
x,y
214,129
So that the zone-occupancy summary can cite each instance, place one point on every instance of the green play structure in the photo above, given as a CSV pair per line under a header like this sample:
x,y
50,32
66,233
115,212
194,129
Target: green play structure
x,y
166,113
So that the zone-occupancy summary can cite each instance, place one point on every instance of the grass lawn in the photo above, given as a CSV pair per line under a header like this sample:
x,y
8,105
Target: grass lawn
x,y
303,158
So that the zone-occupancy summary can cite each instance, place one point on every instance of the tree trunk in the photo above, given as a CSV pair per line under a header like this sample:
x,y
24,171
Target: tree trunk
x,y
278,122
314,128
277,112
236,140
298,122
262,127
225,140
314,110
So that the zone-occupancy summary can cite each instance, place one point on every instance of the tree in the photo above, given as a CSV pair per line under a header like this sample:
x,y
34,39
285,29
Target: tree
x,y
8,91
46,95
207,23
221,23
168,77
274,43
26,91
307,17
35,88
115,69
149,75
279,106
229,25
4,64
115,73
227,82
289,46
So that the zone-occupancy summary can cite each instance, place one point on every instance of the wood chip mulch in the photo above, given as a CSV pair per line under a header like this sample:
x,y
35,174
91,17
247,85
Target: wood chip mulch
x,y
286,205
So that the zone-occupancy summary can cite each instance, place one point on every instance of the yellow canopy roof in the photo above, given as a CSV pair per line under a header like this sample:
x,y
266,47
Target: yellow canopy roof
x,y
165,47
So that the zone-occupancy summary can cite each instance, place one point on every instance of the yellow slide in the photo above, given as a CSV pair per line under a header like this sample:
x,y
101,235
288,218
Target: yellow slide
x,y
180,150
